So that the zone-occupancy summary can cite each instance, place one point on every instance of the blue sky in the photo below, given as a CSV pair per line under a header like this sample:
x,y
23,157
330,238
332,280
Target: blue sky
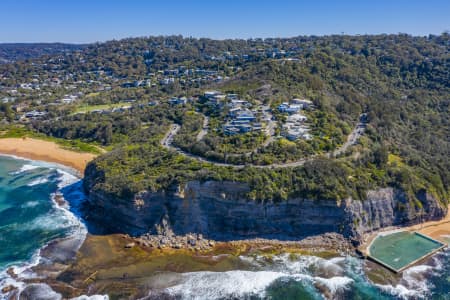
x,y
99,20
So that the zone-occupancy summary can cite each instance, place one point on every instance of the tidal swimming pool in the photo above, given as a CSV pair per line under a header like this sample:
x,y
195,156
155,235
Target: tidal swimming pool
x,y
399,250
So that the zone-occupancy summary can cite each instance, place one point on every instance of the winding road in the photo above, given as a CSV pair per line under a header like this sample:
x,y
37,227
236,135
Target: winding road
x,y
352,139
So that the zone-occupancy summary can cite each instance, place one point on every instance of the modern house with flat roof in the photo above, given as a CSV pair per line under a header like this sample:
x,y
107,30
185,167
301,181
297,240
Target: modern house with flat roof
x,y
303,102
294,128
285,107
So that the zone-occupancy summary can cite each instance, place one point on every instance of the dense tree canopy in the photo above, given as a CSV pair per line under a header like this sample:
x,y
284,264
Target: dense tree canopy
x,y
401,82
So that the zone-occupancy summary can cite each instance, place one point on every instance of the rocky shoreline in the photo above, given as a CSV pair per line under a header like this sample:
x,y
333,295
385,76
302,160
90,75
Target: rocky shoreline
x,y
165,238
119,264
72,274
206,227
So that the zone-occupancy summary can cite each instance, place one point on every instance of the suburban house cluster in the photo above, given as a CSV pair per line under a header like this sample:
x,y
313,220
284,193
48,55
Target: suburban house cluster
x,y
241,115
295,126
180,74
179,100
69,99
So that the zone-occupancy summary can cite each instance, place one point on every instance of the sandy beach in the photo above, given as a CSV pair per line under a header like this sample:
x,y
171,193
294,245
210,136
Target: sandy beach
x,y
438,230
47,151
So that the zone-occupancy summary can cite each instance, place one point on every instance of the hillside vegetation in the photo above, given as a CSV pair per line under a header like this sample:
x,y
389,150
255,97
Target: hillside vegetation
x,y
401,82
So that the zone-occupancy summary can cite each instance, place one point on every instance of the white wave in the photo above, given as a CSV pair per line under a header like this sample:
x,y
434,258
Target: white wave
x,y
34,164
300,264
6,280
47,222
413,283
30,204
38,181
25,168
335,284
215,285
66,178
23,270
40,291
438,260
60,217
322,267
400,291
415,277
93,297
238,284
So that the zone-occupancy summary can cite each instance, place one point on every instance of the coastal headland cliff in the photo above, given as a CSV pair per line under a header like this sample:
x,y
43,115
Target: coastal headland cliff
x,y
222,211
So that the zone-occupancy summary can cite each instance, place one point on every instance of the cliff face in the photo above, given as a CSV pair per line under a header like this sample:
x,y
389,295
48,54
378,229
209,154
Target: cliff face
x,y
390,207
221,211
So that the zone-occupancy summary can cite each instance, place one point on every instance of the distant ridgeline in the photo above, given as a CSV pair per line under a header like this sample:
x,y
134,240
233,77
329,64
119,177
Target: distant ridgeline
x,y
11,52
401,82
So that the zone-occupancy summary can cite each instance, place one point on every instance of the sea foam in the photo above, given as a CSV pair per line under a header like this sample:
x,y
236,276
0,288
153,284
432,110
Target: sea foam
x,y
68,219
217,285
309,270
93,297
25,168
38,181
413,283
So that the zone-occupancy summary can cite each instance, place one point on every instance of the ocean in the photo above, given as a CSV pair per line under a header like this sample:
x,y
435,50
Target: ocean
x,y
306,277
30,218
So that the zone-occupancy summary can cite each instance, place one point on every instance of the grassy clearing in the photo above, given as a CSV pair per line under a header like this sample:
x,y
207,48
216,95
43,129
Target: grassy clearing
x,y
88,108
395,160
286,143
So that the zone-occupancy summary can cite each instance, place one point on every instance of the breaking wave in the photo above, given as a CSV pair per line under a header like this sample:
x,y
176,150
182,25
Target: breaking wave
x,y
303,277
34,213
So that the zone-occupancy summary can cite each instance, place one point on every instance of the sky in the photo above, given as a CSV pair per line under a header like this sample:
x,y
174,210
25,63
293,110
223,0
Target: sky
x,y
85,21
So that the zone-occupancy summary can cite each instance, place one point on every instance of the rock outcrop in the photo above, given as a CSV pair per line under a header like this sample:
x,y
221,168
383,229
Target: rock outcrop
x,y
221,211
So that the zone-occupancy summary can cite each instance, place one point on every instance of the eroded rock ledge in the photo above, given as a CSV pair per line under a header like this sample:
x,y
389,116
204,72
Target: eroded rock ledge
x,y
221,211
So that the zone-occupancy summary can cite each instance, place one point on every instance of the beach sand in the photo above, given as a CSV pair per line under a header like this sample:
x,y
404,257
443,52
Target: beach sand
x,y
439,230
46,151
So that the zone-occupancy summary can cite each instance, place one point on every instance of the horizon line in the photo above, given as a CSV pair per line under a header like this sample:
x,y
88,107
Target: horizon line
x,y
223,39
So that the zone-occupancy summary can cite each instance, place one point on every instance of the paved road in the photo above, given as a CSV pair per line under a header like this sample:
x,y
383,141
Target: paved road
x,y
354,136
167,143
352,139
270,132
168,138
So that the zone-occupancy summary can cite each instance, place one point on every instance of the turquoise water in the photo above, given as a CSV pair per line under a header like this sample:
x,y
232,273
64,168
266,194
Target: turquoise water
x,y
401,248
311,278
283,277
29,218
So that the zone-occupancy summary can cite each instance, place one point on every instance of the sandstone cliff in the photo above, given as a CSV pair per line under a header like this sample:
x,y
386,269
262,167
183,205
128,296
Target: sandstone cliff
x,y
221,211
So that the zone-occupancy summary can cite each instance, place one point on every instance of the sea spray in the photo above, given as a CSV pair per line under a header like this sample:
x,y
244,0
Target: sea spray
x,y
288,276
30,216
285,276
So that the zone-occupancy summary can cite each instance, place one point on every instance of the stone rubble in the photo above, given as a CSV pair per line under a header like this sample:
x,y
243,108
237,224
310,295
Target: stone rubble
x,y
166,238
191,241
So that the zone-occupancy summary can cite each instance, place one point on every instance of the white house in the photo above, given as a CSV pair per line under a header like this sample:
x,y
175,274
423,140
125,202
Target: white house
x,y
303,102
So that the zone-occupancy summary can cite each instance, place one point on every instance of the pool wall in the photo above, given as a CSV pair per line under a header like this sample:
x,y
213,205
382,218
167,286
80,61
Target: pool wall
x,y
443,245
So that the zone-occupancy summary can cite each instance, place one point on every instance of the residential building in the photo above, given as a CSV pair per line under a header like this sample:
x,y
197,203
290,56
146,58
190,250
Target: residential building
x,y
285,107
294,128
176,100
303,102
